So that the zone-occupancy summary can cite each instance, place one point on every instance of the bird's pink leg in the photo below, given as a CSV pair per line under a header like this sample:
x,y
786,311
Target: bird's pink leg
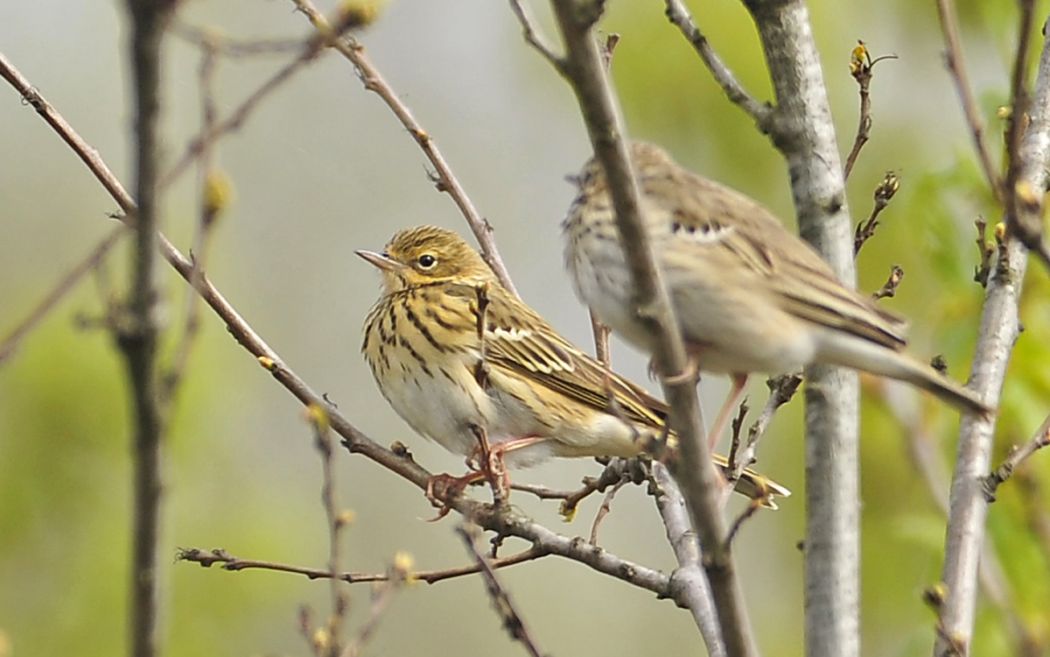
x,y
736,393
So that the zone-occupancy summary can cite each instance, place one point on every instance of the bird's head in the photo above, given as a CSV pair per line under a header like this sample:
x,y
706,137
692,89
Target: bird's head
x,y
425,255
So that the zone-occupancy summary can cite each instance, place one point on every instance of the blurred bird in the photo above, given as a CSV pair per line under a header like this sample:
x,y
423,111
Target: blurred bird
x,y
749,295
467,364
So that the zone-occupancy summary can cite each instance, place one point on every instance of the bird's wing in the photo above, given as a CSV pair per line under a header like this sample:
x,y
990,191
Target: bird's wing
x,y
739,234
517,339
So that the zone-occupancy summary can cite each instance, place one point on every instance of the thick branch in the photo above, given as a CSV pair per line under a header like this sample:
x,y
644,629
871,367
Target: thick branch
x,y
999,330
803,131
584,68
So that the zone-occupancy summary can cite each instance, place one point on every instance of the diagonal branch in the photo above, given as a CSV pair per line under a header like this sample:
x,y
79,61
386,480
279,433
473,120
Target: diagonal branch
x,y
446,180
10,342
762,113
585,71
957,67
508,613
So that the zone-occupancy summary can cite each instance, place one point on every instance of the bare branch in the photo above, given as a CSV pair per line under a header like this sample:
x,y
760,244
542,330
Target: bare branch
x,y
957,67
381,597
861,67
1015,458
10,342
137,330
604,509
207,558
310,50
986,250
584,68
924,450
447,181
601,340
232,47
212,202
501,601
533,37
762,113
336,522
1024,205
884,193
688,580
998,333
781,390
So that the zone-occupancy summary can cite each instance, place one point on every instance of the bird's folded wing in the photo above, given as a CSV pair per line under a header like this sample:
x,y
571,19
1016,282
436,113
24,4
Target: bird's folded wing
x,y
519,340
745,237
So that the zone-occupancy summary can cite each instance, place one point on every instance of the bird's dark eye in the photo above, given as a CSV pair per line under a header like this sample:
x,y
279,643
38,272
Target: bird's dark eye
x,y
426,261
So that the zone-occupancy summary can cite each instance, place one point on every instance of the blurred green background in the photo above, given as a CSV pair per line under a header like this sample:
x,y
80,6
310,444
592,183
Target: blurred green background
x,y
323,168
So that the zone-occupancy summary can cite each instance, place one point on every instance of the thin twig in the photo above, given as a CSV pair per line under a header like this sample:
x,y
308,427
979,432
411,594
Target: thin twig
x,y
884,193
781,390
310,50
533,37
957,67
381,597
861,67
762,113
1015,458
336,522
601,334
604,509
233,47
10,342
986,253
446,180
209,208
207,558
501,601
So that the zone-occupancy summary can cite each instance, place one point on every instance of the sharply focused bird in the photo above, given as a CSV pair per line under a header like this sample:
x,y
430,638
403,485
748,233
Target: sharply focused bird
x,y
463,361
749,295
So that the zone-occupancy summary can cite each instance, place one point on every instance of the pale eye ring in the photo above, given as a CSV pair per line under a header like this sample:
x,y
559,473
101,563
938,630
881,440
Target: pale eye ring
x,y
426,261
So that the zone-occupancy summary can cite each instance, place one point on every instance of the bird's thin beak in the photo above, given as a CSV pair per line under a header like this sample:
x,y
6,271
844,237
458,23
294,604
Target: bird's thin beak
x,y
379,260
